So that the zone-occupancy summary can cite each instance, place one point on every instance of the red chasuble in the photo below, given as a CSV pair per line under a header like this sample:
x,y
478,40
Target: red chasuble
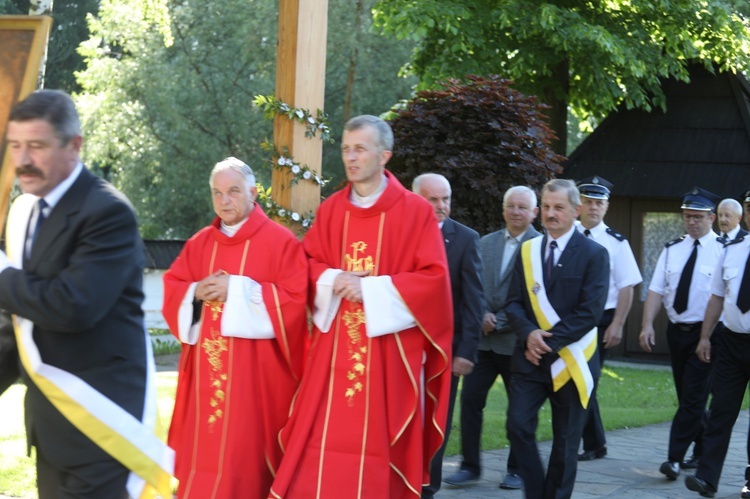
x,y
370,412
233,394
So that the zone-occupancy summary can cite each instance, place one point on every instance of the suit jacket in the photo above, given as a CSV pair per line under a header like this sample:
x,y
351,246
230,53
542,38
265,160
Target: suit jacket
x,y
82,289
501,340
465,266
577,291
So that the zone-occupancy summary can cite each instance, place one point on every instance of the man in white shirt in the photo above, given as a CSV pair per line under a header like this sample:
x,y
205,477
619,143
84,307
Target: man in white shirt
x,y
680,282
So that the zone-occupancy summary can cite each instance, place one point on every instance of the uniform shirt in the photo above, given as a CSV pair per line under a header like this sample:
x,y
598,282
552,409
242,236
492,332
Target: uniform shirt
x,y
623,269
726,283
669,269
731,234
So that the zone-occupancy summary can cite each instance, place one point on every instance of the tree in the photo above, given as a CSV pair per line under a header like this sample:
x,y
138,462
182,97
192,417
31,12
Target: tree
x,y
168,93
168,88
483,136
586,56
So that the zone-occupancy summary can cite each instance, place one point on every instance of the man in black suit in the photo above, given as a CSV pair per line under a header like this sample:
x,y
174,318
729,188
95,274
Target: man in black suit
x,y
555,301
465,266
73,279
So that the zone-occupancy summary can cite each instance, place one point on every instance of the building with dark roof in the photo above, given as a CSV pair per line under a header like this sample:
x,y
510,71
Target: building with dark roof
x,y
654,158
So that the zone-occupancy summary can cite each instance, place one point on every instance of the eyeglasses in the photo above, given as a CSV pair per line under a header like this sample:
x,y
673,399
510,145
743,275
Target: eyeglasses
x,y
693,218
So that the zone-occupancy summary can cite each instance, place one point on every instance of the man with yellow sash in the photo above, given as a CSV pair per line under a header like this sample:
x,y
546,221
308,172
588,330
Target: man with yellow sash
x,y
73,279
555,301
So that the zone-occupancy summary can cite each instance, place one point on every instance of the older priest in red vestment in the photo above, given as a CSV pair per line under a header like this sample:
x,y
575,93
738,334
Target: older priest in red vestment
x,y
371,409
235,298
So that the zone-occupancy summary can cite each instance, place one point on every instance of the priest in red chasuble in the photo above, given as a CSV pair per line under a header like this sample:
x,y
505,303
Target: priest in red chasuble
x,y
236,299
370,412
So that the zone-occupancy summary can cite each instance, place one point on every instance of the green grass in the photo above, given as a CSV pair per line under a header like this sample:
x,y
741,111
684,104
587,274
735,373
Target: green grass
x,y
627,398
17,472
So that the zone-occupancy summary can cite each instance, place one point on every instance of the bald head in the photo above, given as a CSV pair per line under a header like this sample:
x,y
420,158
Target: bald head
x,y
436,190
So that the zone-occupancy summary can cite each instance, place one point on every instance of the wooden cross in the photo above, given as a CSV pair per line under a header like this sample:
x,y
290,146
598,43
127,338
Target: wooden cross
x,y
300,82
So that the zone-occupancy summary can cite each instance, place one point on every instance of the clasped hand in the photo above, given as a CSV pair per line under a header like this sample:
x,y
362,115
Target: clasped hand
x,y
213,287
348,285
536,346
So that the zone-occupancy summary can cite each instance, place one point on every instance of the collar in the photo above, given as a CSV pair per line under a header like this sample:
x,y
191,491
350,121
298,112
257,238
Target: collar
x,y
367,201
562,241
596,231
54,196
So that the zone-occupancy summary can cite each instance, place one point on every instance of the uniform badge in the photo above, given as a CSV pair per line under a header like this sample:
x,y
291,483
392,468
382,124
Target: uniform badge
x,y
536,288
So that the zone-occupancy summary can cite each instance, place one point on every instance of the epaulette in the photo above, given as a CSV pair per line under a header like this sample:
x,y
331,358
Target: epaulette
x,y
736,240
675,241
616,235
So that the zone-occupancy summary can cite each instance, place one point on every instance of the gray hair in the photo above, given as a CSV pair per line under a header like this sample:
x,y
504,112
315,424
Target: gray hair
x,y
53,106
733,204
232,163
523,190
417,182
384,139
560,184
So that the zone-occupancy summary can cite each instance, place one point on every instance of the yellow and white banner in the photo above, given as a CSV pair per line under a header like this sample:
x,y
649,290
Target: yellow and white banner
x,y
132,442
573,361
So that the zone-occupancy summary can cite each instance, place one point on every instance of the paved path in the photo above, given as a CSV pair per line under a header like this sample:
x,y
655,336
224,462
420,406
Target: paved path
x,y
630,470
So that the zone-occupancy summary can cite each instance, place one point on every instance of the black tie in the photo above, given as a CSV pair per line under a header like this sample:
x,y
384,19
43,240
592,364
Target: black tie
x,y
41,205
587,233
550,263
683,288
743,296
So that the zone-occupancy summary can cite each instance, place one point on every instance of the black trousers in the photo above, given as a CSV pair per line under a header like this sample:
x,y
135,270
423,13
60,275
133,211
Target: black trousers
x,y
436,466
692,381
528,393
97,480
593,430
731,375
476,388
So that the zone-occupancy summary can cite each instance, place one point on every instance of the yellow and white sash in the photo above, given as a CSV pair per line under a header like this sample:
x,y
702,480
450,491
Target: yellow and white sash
x,y
132,442
573,361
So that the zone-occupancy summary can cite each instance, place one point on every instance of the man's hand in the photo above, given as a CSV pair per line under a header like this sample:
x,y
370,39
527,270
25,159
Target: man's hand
x,y
348,285
213,287
488,323
536,346
646,338
703,351
612,336
462,367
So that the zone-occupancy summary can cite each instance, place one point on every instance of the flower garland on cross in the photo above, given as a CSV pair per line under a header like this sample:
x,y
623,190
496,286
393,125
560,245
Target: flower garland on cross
x,y
283,161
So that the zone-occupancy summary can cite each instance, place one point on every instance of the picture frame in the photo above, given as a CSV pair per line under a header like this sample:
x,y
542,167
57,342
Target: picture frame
x,y
23,41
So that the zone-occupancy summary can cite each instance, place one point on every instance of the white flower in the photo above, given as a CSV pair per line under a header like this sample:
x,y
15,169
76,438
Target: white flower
x,y
311,120
284,107
307,175
282,212
295,169
289,162
268,204
295,216
317,179
306,222
281,161
322,126
300,113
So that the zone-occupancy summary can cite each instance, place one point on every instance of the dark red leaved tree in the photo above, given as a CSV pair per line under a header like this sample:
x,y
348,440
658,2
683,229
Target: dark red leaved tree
x,y
483,136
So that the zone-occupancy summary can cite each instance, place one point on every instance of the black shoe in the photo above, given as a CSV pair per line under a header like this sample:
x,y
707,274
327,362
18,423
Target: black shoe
x,y
671,469
590,455
461,477
696,484
690,464
745,494
512,482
